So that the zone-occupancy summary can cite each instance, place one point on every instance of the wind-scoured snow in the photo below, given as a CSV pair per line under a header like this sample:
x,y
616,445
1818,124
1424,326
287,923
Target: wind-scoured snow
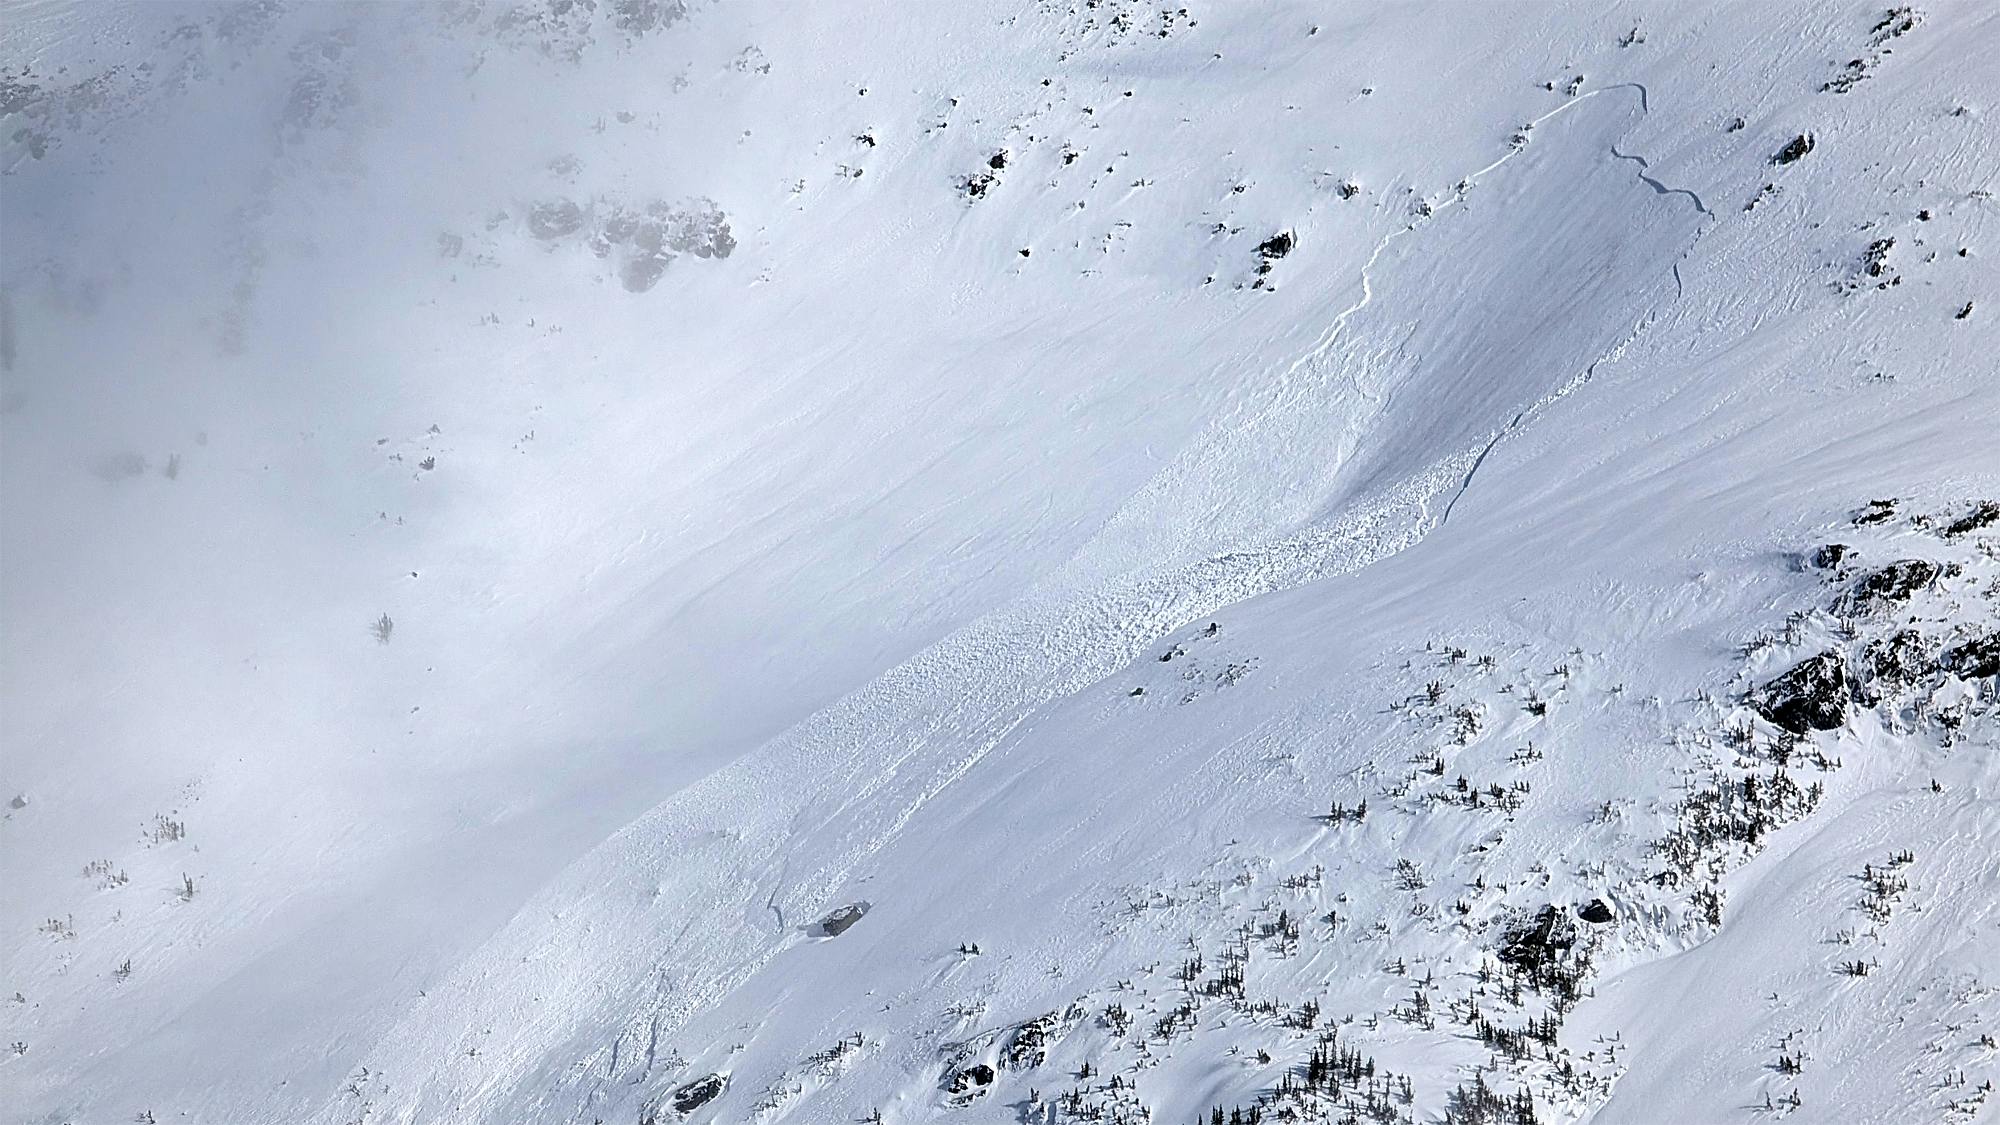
x,y
637,561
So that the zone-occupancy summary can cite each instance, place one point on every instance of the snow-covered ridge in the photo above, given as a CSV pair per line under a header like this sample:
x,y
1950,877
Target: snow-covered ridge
x,y
519,514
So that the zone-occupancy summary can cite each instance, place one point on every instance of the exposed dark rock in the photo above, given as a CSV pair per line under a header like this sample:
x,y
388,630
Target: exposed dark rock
x,y
973,1079
1270,250
1850,76
1539,942
707,238
1875,261
653,237
1277,246
837,923
555,219
1830,556
1794,149
1030,1044
1877,511
1899,22
637,17
1812,696
1983,514
692,1096
1892,583
1596,911
642,272
1975,659
1902,659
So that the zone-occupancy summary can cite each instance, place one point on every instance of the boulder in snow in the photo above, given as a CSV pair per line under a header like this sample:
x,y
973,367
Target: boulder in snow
x,y
1811,696
971,1082
693,1095
837,923
1889,584
1540,941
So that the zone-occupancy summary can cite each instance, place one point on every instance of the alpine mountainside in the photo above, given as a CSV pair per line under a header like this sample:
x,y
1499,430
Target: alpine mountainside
x,y
1051,561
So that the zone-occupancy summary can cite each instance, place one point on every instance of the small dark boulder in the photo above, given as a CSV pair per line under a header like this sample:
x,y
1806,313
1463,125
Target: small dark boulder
x,y
1794,149
1811,696
838,922
1270,250
1975,659
692,1096
1830,556
1596,912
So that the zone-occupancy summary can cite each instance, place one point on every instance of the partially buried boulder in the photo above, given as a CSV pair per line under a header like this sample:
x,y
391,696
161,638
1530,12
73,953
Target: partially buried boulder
x,y
1812,696
1889,584
1794,149
837,923
692,1096
1983,514
1539,942
1276,246
1595,912
972,1081
554,219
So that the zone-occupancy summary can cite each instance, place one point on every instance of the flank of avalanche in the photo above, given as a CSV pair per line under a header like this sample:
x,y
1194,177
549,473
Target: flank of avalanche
x,y
628,562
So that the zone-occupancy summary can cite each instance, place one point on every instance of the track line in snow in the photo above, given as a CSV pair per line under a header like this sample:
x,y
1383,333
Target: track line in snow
x,y
1289,380
1680,291
1658,187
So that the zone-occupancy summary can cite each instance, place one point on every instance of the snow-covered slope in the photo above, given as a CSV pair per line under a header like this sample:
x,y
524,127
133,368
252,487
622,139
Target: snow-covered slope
x,y
631,560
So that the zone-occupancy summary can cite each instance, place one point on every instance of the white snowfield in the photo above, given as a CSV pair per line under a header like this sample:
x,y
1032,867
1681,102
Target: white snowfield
x,y
637,561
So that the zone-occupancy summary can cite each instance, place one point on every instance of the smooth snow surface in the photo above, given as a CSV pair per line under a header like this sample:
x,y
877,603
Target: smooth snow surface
x,y
517,513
